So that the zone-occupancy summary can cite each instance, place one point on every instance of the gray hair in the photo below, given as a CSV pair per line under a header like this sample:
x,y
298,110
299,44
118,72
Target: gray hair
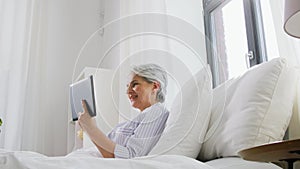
x,y
152,73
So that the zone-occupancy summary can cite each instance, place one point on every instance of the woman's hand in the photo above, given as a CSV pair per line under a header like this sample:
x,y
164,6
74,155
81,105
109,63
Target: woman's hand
x,y
86,122
103,143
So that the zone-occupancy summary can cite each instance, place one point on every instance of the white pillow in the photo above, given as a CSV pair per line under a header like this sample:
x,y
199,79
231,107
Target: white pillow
x,y
257,110
188,119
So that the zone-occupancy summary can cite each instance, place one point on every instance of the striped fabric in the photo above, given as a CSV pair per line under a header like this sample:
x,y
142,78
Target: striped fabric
x,y
137,137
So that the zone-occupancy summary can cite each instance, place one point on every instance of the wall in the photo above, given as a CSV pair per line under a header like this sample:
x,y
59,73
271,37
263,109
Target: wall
x,y
191,12
186,22
183,18
67,25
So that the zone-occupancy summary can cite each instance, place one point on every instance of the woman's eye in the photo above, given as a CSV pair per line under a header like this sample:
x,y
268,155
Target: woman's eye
x,y
134,84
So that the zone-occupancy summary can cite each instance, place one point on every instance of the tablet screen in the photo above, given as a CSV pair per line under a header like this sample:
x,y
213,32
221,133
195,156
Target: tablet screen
x,y
82,90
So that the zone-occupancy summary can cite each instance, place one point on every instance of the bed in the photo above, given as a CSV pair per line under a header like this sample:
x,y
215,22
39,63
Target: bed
x,y
32,160
206,128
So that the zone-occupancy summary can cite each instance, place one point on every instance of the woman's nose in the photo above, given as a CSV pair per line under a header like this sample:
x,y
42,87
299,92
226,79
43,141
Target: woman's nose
x,y
129,89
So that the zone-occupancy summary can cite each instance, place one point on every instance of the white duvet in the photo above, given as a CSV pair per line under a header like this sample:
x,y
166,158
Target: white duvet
x,y
32,160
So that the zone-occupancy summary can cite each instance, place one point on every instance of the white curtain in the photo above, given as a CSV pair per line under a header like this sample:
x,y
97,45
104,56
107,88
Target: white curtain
x,y
289,48
19,76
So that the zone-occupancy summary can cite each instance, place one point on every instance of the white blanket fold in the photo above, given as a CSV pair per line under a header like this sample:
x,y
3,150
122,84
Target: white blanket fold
x,y
32,160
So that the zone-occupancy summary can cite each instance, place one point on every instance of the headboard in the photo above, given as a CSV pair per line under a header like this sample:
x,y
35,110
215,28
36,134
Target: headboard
x,y
106,106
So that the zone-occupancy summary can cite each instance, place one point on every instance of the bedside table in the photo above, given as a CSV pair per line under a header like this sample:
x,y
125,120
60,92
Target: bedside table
x,y
288,151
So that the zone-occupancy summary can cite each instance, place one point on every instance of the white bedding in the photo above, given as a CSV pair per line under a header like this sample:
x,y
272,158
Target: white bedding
x,y
32,160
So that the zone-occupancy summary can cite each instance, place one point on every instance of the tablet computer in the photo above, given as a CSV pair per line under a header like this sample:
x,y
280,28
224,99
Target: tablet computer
x,y
82,90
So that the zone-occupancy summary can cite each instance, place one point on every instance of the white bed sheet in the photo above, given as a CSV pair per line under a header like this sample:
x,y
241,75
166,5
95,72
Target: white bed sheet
x,y
32,160
239,163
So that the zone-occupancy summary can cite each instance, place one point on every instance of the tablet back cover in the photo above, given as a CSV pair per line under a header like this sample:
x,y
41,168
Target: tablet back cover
x,y
82,90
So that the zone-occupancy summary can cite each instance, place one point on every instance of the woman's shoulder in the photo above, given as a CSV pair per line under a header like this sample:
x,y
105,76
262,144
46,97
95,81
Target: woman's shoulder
x,y
157,107
155,111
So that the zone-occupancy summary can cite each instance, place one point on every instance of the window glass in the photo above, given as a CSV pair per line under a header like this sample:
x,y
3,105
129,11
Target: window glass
x,y
230,39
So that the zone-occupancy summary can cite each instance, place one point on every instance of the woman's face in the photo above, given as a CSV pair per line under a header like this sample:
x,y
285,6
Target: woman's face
x,y
141,93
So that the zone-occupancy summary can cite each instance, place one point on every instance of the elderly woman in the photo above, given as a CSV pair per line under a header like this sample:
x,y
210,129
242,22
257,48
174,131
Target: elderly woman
x,y
146,92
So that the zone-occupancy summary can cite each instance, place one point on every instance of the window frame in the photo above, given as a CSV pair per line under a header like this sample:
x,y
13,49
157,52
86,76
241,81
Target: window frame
x,y
254,30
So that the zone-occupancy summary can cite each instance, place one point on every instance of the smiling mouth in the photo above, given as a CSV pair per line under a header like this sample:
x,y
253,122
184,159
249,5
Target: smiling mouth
x,y
133,97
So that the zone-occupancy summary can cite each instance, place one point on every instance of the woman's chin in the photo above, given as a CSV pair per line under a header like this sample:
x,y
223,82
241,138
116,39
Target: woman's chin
x,y
133,104
136,106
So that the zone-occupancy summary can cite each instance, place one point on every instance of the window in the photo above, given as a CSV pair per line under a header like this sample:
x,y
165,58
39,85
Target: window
x,y
236,38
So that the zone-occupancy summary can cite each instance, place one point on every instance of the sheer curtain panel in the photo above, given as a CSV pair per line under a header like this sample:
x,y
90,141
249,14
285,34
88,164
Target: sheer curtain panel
x,y
20,70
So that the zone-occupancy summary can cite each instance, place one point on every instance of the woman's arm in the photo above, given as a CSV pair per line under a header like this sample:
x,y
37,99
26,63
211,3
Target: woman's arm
x,y
102,142
105,153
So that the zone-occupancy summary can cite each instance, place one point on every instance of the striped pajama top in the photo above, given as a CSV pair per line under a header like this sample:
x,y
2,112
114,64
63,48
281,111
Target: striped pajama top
x,y
137,137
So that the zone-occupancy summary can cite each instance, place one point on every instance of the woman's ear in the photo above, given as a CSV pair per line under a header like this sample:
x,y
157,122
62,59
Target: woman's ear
x,y
156,85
